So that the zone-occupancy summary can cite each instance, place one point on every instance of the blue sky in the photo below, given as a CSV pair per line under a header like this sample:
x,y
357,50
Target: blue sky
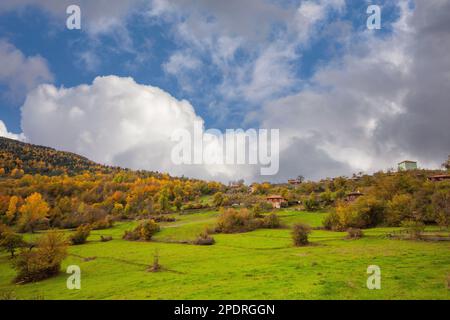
x,y
35,31
345,98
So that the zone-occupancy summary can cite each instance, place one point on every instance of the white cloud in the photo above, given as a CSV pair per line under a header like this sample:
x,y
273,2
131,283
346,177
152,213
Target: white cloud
x,y
266,33
4,133
384,100
119,122
100,16
20,73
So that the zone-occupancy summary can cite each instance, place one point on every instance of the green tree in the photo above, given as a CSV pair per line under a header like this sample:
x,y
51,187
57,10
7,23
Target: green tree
x,y
399,209
441,207
10,242
217,199
163,202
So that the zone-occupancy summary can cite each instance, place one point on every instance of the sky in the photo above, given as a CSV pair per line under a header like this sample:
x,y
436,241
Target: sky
x,y
344,98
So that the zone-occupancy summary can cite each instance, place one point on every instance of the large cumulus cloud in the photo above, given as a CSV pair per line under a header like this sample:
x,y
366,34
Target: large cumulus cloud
x,y
119,122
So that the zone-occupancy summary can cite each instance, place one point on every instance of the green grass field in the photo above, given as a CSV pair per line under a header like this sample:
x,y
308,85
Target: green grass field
x,y
261,264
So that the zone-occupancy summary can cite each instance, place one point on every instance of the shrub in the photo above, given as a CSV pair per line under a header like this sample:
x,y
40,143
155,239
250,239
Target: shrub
x,y
311,203
365,212
42,262
271,221
144,231
414,228
204,239
105,238
233,221
300,233
354,233
81,234
331,221
105,223
163,218
217,199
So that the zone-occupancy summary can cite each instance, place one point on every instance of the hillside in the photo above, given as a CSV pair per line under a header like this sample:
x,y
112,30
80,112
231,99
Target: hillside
x,y
33,159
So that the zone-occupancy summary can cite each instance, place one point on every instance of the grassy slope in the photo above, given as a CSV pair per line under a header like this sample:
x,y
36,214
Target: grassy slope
x,y
255,265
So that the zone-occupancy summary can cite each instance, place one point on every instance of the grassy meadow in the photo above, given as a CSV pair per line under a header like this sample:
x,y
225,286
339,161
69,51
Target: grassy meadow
x,y
262,264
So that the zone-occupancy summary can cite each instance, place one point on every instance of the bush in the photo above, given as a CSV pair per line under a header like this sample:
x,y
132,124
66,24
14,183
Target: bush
x,y
81,234
105,238
331,222
144,231
311,203
163,218
300,233
354,233
271,221
366,212
204,239
42,262
234,221
105,223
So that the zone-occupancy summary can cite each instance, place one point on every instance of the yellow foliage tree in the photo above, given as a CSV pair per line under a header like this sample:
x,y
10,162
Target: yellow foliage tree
x,y
12,208
34,211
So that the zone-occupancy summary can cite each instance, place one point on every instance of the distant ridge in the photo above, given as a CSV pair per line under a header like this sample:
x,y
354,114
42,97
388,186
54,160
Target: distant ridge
x,y
35,159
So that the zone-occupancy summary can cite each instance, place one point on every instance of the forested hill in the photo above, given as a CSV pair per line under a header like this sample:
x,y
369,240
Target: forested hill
x,y
32,159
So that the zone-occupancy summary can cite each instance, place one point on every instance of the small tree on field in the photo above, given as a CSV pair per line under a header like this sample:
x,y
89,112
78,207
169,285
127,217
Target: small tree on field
x,y
155,266
144,231
81,234
300,233
41,262
10,242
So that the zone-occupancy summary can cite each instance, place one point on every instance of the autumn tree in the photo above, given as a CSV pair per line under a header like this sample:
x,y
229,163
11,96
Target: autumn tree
x,y
12,208
33,212
163,202
218,199
441,206
44,260
10,242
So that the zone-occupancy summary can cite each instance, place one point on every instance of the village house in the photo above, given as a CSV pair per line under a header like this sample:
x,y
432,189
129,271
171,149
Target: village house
x,y
439,177
294,182
407,165
276,201
353,196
